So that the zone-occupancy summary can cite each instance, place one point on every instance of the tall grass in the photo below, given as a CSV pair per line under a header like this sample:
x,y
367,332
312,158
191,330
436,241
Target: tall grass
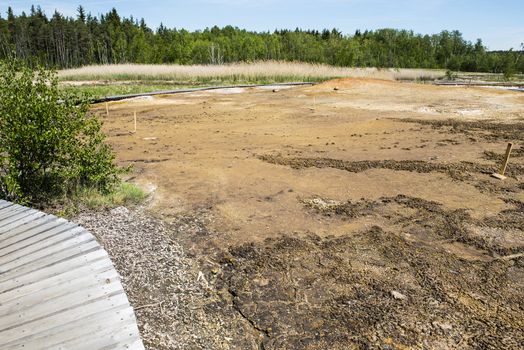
x,y
258,72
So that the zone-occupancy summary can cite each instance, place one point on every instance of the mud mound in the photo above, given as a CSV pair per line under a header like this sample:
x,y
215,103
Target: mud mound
x,y
373,290
487,130
348,209
499,157
346,83
457,171
509,219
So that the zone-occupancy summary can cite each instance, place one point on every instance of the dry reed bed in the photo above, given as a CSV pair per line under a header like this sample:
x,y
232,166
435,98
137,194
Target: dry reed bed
x,y
240,72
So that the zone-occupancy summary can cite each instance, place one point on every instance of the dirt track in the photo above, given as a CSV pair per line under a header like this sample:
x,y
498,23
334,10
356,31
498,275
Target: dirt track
x,y
360,217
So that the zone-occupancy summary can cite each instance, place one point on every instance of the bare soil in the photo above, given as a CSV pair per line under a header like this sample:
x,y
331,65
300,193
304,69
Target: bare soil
x,y
352,214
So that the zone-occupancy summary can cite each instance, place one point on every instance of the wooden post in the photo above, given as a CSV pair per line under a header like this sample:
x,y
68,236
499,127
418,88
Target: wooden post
x,y
135,121
506,159
502,171
107,109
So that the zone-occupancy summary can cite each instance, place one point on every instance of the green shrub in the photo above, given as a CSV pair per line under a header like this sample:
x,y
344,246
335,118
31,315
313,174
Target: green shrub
x,y
49,145
450,75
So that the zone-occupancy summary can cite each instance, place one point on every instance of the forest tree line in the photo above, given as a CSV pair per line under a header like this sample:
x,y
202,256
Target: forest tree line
x,y
64,42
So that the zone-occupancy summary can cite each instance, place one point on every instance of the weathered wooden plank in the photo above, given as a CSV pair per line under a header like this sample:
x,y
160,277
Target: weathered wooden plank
x,y
91,258
9,231
42,242
116,340
58,301
11,334
82,338
24,301
92,324
58,288
16,218
4,204
34,216
37,284
47,254
88,325
32,228
8,206
33,242
61,301
136,344
12,210
49,260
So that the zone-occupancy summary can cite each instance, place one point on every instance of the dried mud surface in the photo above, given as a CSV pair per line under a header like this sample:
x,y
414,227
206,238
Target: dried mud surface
x,y
428,221
374,289
312,218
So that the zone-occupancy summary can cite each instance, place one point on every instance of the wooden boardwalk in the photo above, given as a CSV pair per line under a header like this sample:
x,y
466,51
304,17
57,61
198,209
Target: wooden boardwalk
x,y
58,287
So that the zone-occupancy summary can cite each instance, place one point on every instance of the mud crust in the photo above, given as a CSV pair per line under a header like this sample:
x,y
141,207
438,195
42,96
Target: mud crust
x,y
320,293
487,130
431,221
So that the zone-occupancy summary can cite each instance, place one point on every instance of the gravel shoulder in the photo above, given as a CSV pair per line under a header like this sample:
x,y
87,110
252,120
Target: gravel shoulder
x,y
168,292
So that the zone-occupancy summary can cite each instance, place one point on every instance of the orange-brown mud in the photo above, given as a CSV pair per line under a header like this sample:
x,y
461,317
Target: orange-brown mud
x,y
351,214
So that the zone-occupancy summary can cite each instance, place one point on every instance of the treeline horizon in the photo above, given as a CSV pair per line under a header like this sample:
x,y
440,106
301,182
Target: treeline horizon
x,y
66,42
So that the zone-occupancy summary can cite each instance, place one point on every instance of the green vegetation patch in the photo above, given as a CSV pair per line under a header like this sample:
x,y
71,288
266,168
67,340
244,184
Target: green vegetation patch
x,y
124,193
50,146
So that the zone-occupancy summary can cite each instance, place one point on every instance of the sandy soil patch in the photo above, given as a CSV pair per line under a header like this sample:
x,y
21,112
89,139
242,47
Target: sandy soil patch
x,y
405,254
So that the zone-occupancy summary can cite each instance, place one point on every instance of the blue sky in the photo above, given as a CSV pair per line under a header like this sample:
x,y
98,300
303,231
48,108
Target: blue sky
x,y
499,23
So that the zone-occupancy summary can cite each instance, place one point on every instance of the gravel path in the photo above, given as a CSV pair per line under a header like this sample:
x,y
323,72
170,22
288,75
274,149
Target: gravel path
x,y
164,286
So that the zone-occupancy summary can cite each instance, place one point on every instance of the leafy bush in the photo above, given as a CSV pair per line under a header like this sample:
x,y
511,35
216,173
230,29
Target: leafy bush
x,y
49,145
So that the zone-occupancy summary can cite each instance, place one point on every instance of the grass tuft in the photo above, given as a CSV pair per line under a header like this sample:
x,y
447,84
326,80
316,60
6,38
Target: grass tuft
x,y
124,194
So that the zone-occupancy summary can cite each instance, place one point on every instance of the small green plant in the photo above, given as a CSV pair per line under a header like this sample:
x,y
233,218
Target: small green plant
x,y
50,146
450,75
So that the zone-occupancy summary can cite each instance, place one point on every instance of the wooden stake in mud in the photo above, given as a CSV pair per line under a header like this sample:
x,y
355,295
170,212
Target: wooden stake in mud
x,y
135,122
107,109
314,104
502,171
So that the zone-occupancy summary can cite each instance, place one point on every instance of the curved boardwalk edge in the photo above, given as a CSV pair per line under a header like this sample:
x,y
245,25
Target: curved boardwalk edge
x,y
58,287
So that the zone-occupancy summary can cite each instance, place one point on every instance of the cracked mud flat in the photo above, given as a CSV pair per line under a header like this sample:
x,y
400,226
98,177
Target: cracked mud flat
x,y
324,219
